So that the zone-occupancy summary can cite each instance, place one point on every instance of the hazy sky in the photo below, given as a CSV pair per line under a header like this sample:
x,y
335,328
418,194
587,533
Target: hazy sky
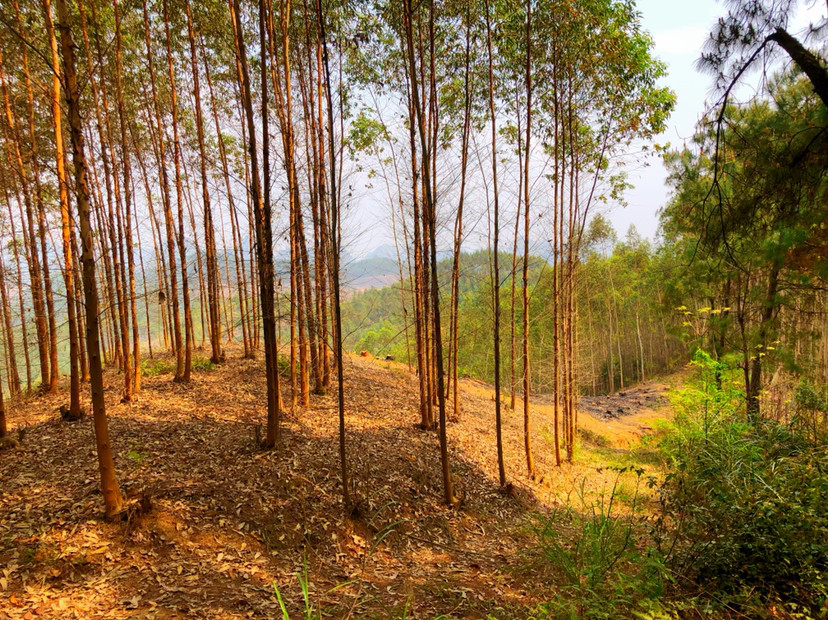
x,y
679,30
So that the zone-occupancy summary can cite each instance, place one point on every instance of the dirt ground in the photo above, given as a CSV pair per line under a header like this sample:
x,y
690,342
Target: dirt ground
x,y
229,522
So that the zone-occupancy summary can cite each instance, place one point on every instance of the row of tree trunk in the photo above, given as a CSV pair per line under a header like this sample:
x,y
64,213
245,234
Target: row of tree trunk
x,y
100,231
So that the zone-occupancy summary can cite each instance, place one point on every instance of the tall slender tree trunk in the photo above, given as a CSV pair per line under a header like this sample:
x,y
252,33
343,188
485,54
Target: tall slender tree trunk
x,y
167,203
54,371
430,228
262,224
209,230
336,242
113,500
65,218
238,251
527,434
128,207
184,375
496,280
29,238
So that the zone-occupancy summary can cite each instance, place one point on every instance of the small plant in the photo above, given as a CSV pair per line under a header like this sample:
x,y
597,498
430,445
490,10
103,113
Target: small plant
x,y
137,457
153,368
203,364
311,611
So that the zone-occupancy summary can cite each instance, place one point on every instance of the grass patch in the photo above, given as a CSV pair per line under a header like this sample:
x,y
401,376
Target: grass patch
x,y
593,438
153,368
202,364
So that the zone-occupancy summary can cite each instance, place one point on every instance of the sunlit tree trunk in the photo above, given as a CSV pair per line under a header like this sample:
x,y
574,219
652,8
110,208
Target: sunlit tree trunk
x,y
238,256
262,222
209,230
501,468
336,247
429,219
113,500
178,345
29,239
65,218
527,435
184,375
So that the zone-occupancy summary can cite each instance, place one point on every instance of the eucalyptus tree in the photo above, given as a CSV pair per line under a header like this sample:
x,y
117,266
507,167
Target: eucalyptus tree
x,y
110,490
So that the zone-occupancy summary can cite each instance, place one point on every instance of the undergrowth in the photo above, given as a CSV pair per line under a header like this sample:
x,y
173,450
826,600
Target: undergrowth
x,y
596,551
741,524
153,368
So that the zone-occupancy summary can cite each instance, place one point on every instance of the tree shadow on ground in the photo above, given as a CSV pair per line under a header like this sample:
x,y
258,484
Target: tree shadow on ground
x,y
229,521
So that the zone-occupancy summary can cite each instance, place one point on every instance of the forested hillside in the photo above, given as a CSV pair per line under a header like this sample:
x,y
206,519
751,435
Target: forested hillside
x,y
628,296
317,308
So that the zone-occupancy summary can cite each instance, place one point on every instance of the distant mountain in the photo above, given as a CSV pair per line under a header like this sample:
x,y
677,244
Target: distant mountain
x,y
372,272
386,250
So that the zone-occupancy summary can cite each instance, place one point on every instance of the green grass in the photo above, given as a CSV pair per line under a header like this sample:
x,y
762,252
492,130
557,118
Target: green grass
x,y
202,364
153,368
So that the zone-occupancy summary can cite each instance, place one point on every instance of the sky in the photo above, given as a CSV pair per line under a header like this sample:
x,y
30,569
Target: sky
x,y
679,30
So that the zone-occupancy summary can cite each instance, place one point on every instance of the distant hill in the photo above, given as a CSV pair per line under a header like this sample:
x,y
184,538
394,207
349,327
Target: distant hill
x,y
375,272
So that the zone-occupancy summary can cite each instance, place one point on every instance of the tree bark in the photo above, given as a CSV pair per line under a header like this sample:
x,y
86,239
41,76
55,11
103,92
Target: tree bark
x,y
113,500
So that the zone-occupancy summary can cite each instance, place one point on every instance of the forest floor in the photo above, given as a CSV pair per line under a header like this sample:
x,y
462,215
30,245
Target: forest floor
x,y
228,521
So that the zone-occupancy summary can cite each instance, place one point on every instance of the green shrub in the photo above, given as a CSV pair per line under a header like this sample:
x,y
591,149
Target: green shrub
x,y
284,366
811,410
596,551
153,368
591,437
203,364
745,507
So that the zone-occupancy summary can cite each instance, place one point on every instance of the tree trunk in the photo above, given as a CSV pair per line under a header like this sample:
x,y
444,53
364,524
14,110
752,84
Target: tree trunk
x,y
113,500
496,280
65,218
262,220
429,220
336,242
527,438
209,230
166,199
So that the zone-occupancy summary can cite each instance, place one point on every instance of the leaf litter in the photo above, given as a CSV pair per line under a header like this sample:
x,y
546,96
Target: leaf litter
x,y
228,521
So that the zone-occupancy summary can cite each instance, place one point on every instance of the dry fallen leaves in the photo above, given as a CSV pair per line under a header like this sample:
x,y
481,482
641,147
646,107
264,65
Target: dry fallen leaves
x,y
229,521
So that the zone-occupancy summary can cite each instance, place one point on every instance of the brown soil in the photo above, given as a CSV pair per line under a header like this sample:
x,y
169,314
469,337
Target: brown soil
x,y
228,522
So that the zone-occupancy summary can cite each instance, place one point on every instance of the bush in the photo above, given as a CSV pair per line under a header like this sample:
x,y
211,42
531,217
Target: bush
x,y
597,553
203,364
153,368
745,508
283,364
811,410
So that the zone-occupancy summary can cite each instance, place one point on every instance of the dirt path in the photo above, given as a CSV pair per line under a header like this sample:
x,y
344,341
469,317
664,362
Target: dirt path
x,y
636,400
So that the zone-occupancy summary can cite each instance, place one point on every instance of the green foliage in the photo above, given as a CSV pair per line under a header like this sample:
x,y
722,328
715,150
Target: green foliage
x,y
153,368
137,457
311,612
745,508
381,339
283,363
596,551
811,410
593,438
203,364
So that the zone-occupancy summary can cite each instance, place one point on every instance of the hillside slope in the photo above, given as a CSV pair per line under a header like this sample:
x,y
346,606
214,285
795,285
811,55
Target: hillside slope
x,y
228,521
